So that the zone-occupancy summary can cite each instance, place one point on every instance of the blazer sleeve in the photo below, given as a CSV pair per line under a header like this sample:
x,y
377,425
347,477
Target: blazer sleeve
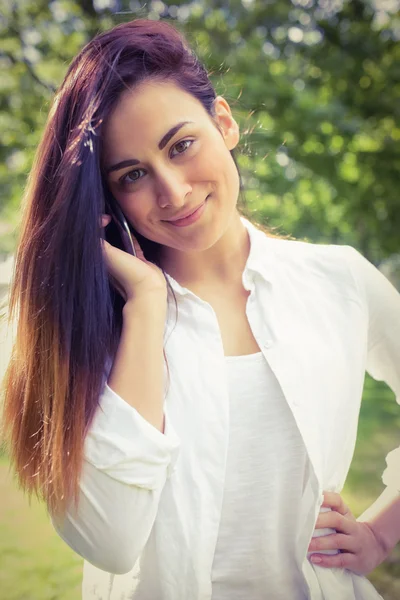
x,y
383,358
126,464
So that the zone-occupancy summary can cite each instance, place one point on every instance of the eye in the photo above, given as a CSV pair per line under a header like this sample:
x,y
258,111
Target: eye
x,y
179,144
127,178
130,178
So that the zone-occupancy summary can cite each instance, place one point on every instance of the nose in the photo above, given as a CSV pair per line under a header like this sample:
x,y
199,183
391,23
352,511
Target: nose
x,y
172,188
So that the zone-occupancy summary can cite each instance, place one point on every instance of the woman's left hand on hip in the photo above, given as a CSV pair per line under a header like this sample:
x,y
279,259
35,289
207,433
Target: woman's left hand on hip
x,y
360,549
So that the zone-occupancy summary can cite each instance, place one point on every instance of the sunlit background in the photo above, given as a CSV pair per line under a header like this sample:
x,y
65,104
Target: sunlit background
x,y
315,87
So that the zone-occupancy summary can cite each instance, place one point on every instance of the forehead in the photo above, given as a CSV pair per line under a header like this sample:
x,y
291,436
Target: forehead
x,y
148,111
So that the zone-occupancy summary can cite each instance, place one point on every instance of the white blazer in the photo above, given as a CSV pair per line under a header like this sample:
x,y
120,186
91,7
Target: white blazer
x,y
151,502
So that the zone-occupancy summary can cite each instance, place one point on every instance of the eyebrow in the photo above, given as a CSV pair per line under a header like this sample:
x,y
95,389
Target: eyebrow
x,y
163,142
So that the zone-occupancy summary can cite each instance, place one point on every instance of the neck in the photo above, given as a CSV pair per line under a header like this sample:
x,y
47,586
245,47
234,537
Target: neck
x,y
219,265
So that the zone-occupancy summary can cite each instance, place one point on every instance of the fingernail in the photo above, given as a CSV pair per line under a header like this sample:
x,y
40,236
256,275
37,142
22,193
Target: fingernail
x,y
316,559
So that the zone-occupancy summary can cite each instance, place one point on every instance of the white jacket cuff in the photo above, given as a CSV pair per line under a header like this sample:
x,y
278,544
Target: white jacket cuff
x,y
128,448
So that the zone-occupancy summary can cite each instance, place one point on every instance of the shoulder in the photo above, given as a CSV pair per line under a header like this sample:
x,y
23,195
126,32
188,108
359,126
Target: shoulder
x,y
333,266
324,258
340,270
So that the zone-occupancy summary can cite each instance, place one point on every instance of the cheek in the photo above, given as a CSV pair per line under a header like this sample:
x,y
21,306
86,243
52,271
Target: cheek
x,y
212,160
218,164
136,207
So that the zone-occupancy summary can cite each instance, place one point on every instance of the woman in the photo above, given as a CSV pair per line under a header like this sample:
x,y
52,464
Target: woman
x,y
190,426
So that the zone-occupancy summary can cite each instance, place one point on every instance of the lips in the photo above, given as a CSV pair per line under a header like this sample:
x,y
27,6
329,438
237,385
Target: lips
x,y
184,215
191,218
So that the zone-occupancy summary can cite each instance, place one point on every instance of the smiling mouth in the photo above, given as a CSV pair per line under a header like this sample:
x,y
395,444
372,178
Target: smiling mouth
x,y
191,218
188,215
184,216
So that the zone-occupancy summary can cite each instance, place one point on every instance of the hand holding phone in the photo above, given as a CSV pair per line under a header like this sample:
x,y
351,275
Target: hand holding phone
x,y
123,227
131,274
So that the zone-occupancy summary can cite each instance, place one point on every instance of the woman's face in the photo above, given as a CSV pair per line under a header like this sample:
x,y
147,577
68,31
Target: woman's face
x,y
159,169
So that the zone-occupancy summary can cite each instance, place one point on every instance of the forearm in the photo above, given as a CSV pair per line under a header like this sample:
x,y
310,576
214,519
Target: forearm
x,y
113,522
137,373
383,516
127,459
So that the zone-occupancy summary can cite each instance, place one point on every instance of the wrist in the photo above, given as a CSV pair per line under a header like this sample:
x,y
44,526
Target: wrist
x,y
153,302
381,543
383,519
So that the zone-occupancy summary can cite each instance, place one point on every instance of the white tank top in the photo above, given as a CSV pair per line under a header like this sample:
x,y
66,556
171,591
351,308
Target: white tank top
x,y
265,474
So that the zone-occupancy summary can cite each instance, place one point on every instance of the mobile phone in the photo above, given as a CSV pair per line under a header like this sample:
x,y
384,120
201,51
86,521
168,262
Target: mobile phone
x,y
119,219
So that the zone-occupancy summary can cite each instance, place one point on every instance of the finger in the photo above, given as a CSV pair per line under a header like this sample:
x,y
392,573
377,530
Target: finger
x,y
107,247
334,520
108,250
105,219
336,502
343,560
333,541
138,249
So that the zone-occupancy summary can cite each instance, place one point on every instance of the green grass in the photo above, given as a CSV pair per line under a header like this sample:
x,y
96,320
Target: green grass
x,y
378,433
35,564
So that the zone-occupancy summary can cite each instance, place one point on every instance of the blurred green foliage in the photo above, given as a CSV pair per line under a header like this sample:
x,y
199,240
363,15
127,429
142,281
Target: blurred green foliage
x,y
314,85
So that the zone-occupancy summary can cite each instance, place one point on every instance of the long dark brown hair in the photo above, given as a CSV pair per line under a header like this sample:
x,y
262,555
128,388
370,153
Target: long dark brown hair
x,y
68,315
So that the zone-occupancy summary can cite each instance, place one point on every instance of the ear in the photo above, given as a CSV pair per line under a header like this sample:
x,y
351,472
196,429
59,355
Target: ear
x,y
227,125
